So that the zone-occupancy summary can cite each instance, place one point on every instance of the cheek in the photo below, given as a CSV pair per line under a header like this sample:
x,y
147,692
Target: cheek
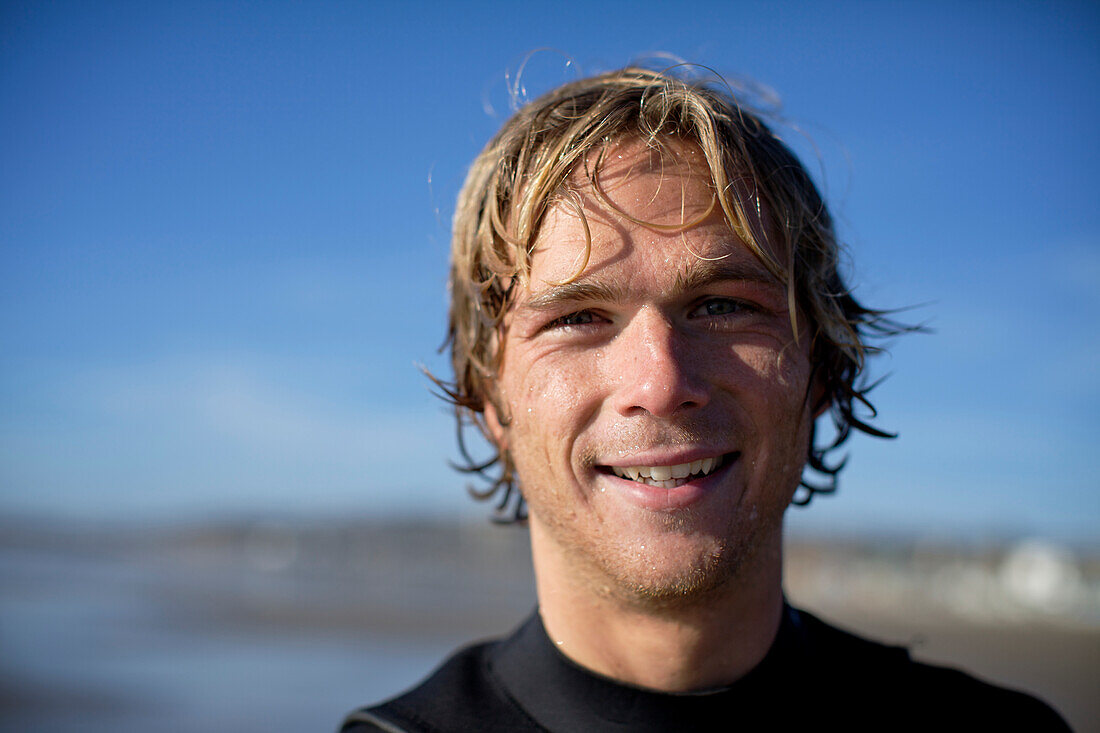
x,y
782,374
556,387
547,405
774,392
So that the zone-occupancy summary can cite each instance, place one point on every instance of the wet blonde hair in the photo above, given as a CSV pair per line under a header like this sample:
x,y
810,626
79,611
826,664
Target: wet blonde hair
x,y
525,170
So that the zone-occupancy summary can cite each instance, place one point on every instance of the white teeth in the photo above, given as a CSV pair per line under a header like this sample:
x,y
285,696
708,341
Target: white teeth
x,y
667,477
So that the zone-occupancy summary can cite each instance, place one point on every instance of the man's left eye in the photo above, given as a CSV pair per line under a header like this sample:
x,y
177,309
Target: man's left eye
x,y
721,307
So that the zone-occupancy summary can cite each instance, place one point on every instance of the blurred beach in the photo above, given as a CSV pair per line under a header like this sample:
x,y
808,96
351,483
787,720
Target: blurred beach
x,y
269,625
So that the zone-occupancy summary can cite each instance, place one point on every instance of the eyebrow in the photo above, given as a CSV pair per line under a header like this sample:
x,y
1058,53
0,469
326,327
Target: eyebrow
x,y
578,291
699,275
707,272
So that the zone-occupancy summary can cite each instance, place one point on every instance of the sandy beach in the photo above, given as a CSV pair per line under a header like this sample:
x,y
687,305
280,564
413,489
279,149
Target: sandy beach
x,y
255,625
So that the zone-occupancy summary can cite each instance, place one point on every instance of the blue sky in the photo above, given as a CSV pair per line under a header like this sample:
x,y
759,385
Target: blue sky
x,y
224,226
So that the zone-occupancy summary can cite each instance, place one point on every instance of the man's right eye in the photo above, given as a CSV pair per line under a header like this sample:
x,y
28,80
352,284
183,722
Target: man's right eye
x,y
580,318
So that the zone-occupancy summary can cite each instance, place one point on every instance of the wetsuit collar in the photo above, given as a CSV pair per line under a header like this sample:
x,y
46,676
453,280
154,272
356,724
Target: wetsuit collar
x,y
561,695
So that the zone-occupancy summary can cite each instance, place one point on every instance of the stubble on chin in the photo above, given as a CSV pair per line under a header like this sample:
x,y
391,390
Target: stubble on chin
x,y
654,579
688,586
714,569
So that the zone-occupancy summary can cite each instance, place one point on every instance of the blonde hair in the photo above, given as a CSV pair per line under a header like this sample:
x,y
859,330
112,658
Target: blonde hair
x,y
525,169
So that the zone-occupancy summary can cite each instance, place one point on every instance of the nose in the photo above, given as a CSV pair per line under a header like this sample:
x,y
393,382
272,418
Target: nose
x,y
656,371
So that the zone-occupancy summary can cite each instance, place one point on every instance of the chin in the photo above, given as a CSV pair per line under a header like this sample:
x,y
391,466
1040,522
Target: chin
x,y
683,569
665,579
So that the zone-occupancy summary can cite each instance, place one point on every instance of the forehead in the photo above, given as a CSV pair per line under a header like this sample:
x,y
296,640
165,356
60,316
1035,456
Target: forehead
x,y
665,183
654,206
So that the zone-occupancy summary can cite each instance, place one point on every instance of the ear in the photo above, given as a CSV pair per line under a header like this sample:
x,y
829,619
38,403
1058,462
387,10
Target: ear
x,y
819,397
495,426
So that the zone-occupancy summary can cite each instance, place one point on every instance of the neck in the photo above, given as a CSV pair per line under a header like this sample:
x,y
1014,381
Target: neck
x,y
689,644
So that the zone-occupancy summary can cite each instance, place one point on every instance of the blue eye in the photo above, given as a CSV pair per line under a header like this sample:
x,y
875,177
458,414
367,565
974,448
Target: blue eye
x,y
722,307
580,318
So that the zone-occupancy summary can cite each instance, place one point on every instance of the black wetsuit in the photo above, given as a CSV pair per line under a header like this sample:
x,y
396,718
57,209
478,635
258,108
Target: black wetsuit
x,y
814,676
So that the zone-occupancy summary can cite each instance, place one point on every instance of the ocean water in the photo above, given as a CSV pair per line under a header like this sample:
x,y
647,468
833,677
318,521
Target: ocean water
x,y
188,632
260,626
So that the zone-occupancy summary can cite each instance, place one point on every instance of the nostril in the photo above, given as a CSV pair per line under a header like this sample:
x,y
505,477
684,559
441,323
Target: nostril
x,y
656,372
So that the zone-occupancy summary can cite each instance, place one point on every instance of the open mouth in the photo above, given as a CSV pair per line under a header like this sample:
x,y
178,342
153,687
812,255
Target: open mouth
x,y
669,477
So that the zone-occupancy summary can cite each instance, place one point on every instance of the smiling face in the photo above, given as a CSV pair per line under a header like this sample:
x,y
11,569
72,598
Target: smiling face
x,y
657,406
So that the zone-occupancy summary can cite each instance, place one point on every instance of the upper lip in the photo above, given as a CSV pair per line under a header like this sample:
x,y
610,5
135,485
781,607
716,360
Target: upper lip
x,y
664,457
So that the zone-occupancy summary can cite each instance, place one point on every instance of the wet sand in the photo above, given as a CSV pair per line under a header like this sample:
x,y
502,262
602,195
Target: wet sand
x,y
248,625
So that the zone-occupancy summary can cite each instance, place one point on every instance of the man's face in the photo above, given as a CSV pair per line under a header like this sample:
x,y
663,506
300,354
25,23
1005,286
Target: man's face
x,y
657,406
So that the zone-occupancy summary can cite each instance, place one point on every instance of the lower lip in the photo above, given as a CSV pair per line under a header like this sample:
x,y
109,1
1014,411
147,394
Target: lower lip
x,y
680,497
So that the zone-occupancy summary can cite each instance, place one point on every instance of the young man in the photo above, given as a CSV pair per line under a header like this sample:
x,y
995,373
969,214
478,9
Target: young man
x,y
646,322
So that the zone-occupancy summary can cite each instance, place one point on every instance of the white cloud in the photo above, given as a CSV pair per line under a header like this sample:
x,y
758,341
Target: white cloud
x,y
195,433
